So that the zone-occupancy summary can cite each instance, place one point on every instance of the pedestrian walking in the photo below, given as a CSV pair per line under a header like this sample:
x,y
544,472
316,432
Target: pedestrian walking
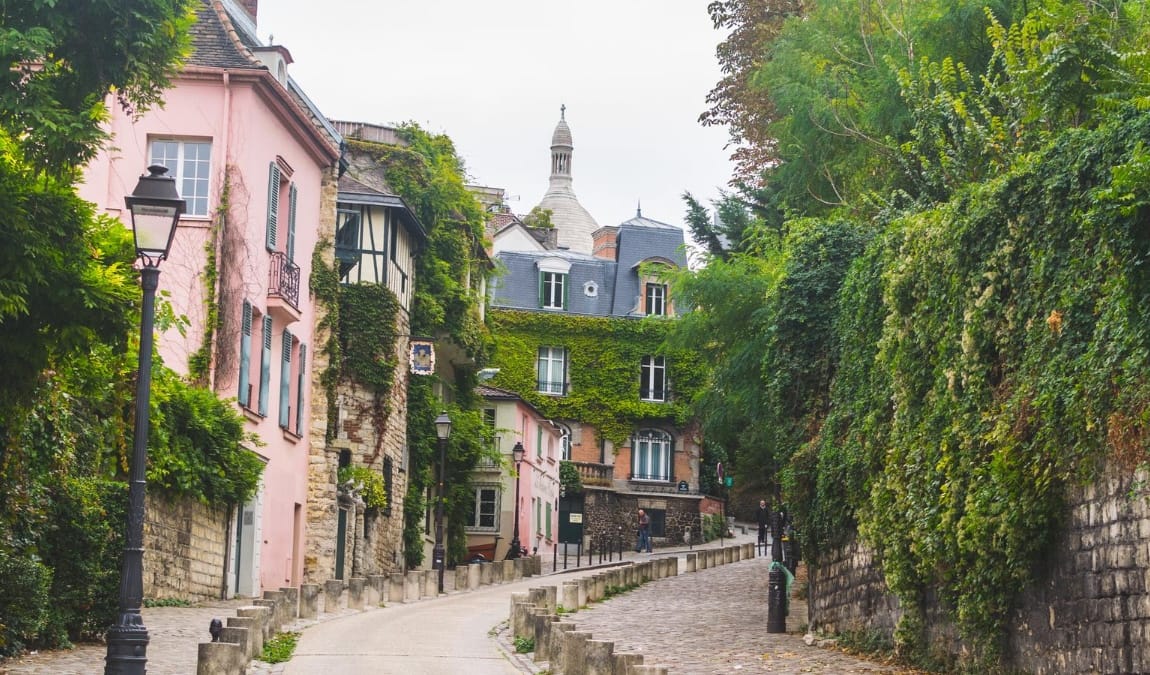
x,y
763,518
644,533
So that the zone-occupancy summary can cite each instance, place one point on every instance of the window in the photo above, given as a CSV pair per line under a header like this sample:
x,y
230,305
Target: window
x,y
552,370
483,516
656,299
565,443
651,456
653,381
190,163
365,238
552,290
539,441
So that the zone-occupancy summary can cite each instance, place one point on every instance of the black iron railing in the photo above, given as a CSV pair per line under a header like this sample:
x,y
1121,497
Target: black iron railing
x,y
283,281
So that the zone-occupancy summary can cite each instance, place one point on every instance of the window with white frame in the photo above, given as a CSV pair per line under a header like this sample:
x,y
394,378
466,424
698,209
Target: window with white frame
x,y
484,513
651,455
552,290
565,442
653,379
656,299
552,370
190,163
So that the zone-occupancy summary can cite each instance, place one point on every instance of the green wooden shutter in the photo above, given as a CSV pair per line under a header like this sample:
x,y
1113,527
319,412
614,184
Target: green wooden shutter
x,y
285,380
265,367
245,394
548,520
565,279
299,393
292,194
273,205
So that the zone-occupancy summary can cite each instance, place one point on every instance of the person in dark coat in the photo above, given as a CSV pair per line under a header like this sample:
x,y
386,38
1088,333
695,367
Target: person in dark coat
x,y
763,518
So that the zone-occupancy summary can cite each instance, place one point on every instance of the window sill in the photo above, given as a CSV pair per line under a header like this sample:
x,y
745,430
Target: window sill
x,y
252,415
291,436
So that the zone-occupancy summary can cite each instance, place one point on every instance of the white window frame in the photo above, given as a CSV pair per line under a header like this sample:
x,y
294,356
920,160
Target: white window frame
x,y
194,188
548,360
651,456
653,371
472,524
656,299
554,289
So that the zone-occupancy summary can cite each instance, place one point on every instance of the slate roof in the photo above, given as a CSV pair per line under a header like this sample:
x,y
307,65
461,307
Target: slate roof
x,y
215,42
617,281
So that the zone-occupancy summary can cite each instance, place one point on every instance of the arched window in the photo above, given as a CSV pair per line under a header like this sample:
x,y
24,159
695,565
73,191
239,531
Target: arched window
x,y
651,455
564,442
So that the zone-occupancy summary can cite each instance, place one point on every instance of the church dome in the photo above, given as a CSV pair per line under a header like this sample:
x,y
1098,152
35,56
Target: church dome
x,y
574,225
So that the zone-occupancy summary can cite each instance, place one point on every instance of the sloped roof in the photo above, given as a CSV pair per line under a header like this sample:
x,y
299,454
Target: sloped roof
x,y
216,43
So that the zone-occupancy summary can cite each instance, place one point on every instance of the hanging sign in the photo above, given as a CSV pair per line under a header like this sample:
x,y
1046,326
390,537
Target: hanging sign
x,y
422,357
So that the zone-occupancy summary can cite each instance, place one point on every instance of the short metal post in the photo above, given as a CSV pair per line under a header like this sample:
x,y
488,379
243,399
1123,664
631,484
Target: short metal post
x,y
555,557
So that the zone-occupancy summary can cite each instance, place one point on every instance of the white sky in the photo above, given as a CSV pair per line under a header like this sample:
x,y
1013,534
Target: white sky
x,y
491,75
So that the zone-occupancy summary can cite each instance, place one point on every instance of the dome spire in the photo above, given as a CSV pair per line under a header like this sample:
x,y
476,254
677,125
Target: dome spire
x,y
573,223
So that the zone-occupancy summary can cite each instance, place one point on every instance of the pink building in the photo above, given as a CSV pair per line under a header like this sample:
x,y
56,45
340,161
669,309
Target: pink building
x,y
492,526
257,167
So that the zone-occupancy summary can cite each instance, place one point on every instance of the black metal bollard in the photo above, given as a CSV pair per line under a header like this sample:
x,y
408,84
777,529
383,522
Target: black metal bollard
x,y
555,557
776,599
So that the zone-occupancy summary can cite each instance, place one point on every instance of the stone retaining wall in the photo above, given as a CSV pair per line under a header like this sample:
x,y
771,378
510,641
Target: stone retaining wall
x,y
1089,611
185,543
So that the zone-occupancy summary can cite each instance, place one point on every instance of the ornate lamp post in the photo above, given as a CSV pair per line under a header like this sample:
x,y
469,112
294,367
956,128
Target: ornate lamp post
x,y
438,556
155,207
516,454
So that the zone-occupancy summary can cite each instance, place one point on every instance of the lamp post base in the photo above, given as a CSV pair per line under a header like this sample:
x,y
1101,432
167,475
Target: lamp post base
x,y
127,648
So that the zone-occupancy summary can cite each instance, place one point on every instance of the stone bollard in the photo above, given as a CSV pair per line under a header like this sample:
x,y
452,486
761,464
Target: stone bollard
x,y
729,555
497,572
377,595
396,582
575,652
332,590
521,622
584,591
239,636
262,616
486,574
570,596
272,626
431,583
255,633
673,566
411,585
291,597
517,598
690,562
279,607
461,572
626,661
555,649
355,592
538,568
473,576
712,559
701,560
220,658
600,657
542,623
309,601
551,598
508,570
600,591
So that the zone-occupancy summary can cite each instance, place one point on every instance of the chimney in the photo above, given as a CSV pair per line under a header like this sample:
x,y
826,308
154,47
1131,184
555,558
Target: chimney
x,y
250,7
604,242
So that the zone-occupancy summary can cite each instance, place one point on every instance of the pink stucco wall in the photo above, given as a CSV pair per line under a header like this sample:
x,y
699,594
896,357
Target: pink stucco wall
x,y
247,133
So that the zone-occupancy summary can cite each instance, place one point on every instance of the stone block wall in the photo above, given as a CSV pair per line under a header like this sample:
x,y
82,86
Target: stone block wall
x,y
185,549
612,514
1089,611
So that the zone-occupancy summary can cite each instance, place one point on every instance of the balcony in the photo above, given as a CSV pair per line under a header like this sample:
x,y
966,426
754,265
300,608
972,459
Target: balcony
x,y
595,474
283,288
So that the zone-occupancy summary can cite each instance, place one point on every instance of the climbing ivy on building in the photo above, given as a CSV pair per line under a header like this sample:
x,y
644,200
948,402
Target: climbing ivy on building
x,y
605,361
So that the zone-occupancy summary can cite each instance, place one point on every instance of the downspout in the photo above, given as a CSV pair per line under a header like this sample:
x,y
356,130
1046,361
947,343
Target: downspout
x,y
227,111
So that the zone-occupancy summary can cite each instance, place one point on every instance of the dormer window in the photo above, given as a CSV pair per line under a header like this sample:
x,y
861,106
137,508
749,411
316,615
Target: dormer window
x,y
553,283
656,299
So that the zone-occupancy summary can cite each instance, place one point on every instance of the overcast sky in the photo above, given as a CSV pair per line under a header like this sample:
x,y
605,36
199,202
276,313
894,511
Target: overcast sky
x,y
491,75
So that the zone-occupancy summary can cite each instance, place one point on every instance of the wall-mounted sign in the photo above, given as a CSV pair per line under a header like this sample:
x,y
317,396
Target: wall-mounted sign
x,y
422,357
575,517
684,486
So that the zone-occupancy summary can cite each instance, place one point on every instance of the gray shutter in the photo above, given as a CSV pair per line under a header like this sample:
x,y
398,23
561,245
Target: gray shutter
x,y
291,223
541,275
566,280
273,205
285,380
299,390
245,394
265,367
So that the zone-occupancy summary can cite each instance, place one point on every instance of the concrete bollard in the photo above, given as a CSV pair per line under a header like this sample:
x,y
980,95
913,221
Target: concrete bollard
x,y
508,570
220,658
627,660
729,554
600,657
238,636
273,625
701,559
412,582
497,572
461,572
600,587
584,591
309,601
486,574
673,566
690,562
279,606
332,591
542,623
570,596
473,576
555,649
538,568
261,616
376,590
291,598
551,598
517,598
521,622
355,587
431,583
255,635
575,652
396,582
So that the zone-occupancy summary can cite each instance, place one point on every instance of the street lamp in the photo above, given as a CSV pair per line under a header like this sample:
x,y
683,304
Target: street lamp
x,y
516,454
438,556
155,207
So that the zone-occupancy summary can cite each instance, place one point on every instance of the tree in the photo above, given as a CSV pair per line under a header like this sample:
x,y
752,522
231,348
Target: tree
x,y
539,217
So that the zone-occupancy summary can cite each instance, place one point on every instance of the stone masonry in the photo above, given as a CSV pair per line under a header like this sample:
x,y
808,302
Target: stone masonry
x,y
185,544
1089,611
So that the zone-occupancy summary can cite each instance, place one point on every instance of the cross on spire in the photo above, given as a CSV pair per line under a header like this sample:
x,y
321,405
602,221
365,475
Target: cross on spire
x,y
562,111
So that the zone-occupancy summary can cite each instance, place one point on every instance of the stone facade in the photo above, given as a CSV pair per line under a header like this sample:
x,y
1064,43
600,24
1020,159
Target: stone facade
x,y
1090,611
609,515
185,549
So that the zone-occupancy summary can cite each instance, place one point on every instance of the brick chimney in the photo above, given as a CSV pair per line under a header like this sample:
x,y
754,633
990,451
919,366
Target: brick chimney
x,y
604,242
